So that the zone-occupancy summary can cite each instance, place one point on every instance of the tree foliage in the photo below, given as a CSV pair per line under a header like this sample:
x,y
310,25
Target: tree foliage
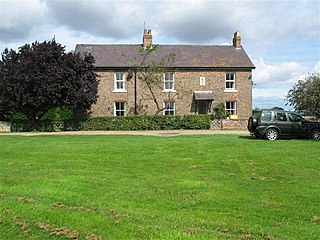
x,y
219,111
151,72
42,76
305,95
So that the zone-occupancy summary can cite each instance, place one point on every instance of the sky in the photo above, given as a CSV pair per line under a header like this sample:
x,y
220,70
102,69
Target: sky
x,y
282,37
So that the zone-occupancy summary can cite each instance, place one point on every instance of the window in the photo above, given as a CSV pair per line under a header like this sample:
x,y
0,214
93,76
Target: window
x,y
230,81
119,82
231,108
266,116
281,117
119,109
168,81
295,117
169,108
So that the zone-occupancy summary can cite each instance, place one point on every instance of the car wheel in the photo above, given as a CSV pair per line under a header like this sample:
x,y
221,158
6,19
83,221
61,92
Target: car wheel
x,y
271,134
315,134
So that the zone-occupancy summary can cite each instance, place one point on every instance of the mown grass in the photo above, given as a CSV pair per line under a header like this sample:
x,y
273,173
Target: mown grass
x,y
144,187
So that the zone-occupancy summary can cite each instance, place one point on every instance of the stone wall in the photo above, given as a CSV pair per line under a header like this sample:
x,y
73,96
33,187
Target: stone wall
x,y
186,82
5,127
234,124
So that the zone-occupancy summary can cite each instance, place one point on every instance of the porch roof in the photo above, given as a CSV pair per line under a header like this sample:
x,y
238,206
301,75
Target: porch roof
x,y
203,95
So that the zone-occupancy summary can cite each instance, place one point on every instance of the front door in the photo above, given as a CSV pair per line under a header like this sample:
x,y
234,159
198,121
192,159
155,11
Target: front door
x,y
203,107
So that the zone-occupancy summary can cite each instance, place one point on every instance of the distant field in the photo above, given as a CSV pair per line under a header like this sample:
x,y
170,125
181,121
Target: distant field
x,y
148,187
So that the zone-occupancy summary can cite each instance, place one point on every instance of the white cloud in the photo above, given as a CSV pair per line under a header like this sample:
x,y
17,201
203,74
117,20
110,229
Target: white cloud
x,y
18,18
266,21
317,67
109,19
273,82
286,72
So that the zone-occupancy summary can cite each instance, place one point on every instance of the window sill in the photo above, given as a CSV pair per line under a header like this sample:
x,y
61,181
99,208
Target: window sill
x,y
169,90
120,91
231,90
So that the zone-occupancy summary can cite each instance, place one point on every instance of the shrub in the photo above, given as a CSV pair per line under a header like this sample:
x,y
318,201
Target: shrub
x,y
59,114
220,111
125,123
148,122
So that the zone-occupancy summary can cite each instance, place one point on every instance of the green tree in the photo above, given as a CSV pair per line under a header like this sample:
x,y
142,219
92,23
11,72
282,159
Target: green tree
x,y
150,69
305,95
42,76
219,111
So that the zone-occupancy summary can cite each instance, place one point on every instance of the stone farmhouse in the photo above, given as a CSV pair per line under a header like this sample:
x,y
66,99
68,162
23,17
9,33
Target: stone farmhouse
x,y
201,77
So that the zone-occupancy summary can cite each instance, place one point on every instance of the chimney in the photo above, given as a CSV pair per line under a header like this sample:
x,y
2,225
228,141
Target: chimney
x,y
237,40
147,38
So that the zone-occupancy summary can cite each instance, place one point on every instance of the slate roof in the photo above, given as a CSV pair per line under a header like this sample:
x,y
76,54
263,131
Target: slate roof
x,y
203,95
187,56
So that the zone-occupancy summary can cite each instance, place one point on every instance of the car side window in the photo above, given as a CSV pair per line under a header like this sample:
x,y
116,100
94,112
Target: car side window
x,y
266,116
294,117
281,117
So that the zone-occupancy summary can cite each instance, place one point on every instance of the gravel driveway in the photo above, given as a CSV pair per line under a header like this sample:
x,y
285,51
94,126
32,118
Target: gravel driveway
x,y
147,133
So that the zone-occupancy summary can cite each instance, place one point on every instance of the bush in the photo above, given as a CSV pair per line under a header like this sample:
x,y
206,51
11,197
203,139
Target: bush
x,y
148,122
126,123
220,111
56,119
59,114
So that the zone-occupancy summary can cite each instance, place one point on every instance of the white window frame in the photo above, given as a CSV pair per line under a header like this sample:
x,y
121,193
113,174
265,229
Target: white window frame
x,y
230,81
115,110
168,81
232,110
121,81
168,109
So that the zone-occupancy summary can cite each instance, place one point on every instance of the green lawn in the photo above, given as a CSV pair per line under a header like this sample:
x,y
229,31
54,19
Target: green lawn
x,y
147,187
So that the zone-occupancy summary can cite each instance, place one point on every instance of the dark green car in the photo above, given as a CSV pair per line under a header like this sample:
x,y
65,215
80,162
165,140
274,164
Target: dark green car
x,y
272,124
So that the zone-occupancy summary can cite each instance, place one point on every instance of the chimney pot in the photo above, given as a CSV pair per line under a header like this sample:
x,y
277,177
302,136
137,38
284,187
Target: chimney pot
x,y
147,38
237,40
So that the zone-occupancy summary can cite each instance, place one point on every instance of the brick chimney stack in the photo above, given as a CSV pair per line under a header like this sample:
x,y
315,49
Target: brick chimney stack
x,y
147,38
237,40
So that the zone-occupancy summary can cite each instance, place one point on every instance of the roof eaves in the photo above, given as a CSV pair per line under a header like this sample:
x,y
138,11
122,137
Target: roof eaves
x,y
180,68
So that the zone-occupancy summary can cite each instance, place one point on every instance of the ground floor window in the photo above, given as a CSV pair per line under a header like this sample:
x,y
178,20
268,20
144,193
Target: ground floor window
x,y
119,109
169,108
231,108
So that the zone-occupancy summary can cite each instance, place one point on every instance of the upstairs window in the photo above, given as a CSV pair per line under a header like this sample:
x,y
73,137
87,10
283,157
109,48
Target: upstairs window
x,y
169,108
230,81
119,82
168,81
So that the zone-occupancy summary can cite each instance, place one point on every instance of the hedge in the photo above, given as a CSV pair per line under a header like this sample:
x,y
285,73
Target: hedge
x,y
148,122
125,123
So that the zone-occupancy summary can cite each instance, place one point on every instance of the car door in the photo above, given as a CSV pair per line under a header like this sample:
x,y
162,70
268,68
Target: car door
x,y
297,126
285,126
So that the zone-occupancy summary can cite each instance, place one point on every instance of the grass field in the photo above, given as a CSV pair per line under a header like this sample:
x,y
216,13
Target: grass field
x,y
147,187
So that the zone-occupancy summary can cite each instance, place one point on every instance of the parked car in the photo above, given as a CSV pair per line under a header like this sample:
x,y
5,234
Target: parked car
x,y
272,124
